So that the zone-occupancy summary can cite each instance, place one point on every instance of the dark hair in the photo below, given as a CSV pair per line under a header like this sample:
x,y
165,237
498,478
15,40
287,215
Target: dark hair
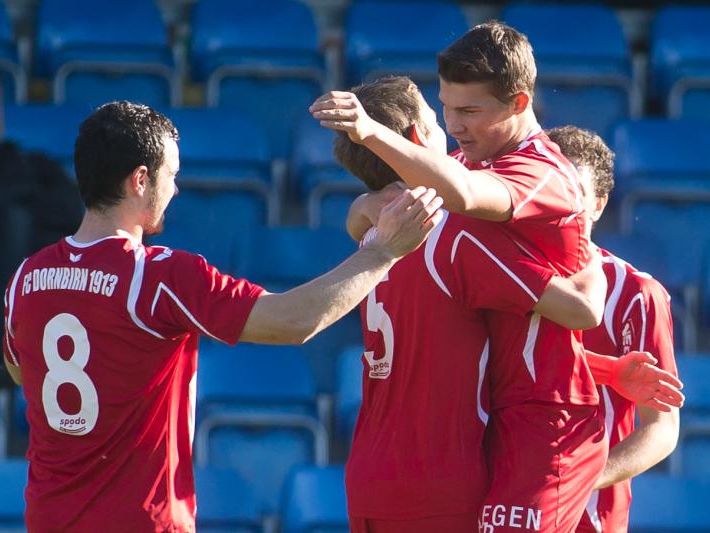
x,y
394,101
114,140
587,149
491,53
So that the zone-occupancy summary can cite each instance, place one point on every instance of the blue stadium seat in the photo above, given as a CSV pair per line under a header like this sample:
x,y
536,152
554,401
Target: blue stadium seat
x,y
263,58
284,257
374,47
257,414
667,504
13,473
314,501
13,75
319,178
680,60
225,503
578,71
692,456
658,158
123,54
46,128
349,390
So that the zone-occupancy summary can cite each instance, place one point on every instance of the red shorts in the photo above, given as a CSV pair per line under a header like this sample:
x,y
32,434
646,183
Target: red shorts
x,y
544,460
461,523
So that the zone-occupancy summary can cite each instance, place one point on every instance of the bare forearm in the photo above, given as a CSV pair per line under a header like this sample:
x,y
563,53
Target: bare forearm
x,y
358,222
483,197
647,446
297,315
565,304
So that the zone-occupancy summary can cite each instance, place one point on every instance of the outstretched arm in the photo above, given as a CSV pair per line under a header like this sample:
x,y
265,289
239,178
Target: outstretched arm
x,y
464,191
295,316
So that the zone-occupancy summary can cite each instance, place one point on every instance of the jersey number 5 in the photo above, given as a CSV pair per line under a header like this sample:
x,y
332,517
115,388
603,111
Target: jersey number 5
x,y
379,320
61,371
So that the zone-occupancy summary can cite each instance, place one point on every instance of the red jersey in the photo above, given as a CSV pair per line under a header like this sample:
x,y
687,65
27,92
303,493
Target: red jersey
x,y
637,317
548,213
534,358
417,446
106,336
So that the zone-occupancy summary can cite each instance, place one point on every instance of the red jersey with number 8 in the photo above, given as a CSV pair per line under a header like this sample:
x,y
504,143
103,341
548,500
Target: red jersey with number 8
x,y
106,336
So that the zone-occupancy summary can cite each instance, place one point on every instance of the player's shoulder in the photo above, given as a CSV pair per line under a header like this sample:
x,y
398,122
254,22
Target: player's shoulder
x,y
163,258
635,281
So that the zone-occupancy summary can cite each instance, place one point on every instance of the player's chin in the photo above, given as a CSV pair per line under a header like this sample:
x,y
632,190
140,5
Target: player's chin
x,y
156,228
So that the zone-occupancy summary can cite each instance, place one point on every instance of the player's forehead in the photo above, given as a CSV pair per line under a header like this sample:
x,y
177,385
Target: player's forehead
x,y
471,94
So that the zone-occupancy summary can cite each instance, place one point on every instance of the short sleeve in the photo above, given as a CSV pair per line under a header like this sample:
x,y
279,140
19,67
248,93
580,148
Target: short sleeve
x,y
187,294
485,269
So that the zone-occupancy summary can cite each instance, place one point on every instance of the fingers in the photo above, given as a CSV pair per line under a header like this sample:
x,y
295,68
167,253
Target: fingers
x,y
334,100
642,357
650,371
669,395
658,405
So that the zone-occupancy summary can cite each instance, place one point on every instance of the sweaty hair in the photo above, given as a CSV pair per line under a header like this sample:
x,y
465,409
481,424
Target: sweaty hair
x,y
492,53
393,101
586,149
114,140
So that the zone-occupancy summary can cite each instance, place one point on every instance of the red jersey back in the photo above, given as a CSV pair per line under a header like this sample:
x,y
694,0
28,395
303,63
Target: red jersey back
x,y
417,448
548,213
106,337
637,317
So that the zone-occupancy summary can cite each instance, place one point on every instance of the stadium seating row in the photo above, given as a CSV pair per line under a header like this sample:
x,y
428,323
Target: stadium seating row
x,y
243,64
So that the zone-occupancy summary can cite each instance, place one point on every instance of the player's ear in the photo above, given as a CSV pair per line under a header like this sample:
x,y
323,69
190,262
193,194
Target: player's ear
x,y
599,207
137,181
520,102
415,135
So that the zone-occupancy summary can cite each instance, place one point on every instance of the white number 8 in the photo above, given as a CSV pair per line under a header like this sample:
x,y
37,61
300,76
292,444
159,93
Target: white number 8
x,y
69,371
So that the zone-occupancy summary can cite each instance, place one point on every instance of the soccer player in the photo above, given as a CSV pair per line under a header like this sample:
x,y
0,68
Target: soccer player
x,y
507,170
103,332
637,317
416,462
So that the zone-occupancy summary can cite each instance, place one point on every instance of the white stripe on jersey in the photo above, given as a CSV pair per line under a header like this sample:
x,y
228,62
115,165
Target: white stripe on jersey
x,y
430,248
490,254
593,513
569,171
536,190
482,365
530,341
135,289
642,305
10,305
613,300
182,306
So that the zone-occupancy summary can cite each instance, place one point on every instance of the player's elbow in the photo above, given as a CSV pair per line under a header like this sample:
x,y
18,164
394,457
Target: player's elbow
x,y
587,314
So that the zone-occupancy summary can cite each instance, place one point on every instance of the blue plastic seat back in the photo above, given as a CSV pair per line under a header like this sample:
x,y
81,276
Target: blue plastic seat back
x,y
225,501
375,46
696,453
589,57
250,377
212,222
694,371
280,33
680,48
133,34
314,500
46,128
263,457
657,153
349,391
683,508
312,160
8,56
13,473
221,146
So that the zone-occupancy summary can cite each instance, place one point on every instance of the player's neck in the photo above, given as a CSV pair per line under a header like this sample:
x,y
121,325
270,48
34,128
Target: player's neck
x,y
109,223
526,126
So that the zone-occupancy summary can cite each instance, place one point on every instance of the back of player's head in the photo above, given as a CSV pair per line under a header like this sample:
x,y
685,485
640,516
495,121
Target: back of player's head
x,y
492,53
114,140
587,149
394,101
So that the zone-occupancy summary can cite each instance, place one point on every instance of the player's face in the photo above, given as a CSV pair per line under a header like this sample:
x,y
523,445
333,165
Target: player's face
x,y
164,189
593,205
436,139
483,126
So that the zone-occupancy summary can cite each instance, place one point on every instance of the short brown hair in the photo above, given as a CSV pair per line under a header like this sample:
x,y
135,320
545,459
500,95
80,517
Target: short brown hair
x,y
393,101
587,149
492,53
